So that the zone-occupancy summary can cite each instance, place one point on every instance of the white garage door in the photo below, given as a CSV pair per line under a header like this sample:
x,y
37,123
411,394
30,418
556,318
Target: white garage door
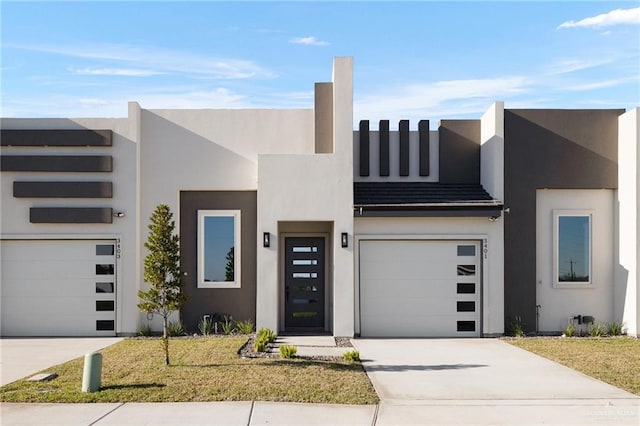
x,y
58,288
419,288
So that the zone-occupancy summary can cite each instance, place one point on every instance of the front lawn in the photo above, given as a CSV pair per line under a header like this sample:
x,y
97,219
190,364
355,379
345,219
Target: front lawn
x,y
203,369
612,360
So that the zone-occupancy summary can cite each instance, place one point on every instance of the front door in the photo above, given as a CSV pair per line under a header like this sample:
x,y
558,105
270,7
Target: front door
x,y
304,283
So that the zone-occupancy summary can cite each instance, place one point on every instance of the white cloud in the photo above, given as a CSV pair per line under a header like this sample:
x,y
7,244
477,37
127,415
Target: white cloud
x,y
566,66
309,41
160,60
602,84
615,17
195,99
124,72
439,99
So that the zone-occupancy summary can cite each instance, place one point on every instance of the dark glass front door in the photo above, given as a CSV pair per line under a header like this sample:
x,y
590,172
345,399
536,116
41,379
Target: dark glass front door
x,y
304,283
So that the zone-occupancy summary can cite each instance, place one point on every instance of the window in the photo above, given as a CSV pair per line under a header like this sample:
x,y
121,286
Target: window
x,y
107,269
572,248
466,250
105,325
219,248
104,287
104,250
105,305
466,270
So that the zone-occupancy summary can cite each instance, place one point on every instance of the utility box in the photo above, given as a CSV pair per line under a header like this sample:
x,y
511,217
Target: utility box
x,y
92,373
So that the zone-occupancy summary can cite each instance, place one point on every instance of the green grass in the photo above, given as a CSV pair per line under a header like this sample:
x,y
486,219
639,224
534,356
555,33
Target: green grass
x,y
203,369
613,360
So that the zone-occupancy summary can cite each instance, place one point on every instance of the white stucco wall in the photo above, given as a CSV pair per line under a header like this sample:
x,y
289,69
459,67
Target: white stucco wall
x,y
490,234
492,151
311,187
557,304
15,223
627,276
213,149
209,150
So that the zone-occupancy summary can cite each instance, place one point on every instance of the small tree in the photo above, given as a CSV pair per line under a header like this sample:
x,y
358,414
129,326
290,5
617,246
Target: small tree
x,y
162,271
229,267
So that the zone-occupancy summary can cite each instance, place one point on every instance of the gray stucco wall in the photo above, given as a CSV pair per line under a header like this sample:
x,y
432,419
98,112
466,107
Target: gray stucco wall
x,y
237,302
554,149
460,151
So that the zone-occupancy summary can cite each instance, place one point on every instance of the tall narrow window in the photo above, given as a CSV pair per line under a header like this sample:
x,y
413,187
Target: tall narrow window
x,y
219,248
572,259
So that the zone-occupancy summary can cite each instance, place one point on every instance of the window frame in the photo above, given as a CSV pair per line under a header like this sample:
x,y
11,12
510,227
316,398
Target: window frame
x,y
237,260
557,214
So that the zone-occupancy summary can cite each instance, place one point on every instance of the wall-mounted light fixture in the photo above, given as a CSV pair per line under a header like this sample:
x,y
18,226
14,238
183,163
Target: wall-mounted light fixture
x,y
118,214
344,239
266,239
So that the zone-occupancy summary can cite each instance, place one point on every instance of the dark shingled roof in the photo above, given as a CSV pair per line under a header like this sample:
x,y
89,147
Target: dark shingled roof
x,y
420,194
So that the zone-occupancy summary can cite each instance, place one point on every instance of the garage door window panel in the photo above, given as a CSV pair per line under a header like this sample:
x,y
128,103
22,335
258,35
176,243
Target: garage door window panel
x,y
104,250
104,287
466,306
467,270
219,249
466,326
105,325
105,305
105,269
467,250
466,288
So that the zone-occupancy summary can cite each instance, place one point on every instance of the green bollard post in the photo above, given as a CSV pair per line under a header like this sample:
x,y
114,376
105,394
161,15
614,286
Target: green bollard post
x,y
91,375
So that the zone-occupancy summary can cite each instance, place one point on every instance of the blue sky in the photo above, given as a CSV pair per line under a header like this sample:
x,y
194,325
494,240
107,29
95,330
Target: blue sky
x,y
413,60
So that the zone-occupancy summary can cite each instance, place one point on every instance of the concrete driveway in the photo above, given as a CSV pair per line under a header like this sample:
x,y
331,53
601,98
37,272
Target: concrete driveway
x,y
428,381
21,357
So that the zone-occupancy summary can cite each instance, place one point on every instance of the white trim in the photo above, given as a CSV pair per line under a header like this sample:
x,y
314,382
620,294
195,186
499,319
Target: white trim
x,y
556,267
236,283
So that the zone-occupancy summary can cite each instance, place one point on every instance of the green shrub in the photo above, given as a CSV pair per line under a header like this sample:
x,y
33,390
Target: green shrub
x,y
145,330
267,335
287,351
598,329
352,356
516,327
615,328
245,327
570,330
205,326
227,325
260,345
176,328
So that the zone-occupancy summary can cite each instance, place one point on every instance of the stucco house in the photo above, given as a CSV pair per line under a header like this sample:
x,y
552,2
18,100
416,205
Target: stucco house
x,y
294,220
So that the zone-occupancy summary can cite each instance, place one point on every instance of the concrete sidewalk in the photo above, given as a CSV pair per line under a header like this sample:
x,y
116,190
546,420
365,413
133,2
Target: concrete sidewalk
x,y
453,412
186,413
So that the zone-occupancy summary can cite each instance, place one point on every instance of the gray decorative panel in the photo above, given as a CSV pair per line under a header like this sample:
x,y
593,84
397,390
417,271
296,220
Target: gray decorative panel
x,y
56,163
70,215
364,148
403,127
80,137
423,131
384,147
62,189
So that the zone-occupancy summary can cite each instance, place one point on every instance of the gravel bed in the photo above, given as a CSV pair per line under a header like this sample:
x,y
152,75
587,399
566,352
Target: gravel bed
x,y
246,351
